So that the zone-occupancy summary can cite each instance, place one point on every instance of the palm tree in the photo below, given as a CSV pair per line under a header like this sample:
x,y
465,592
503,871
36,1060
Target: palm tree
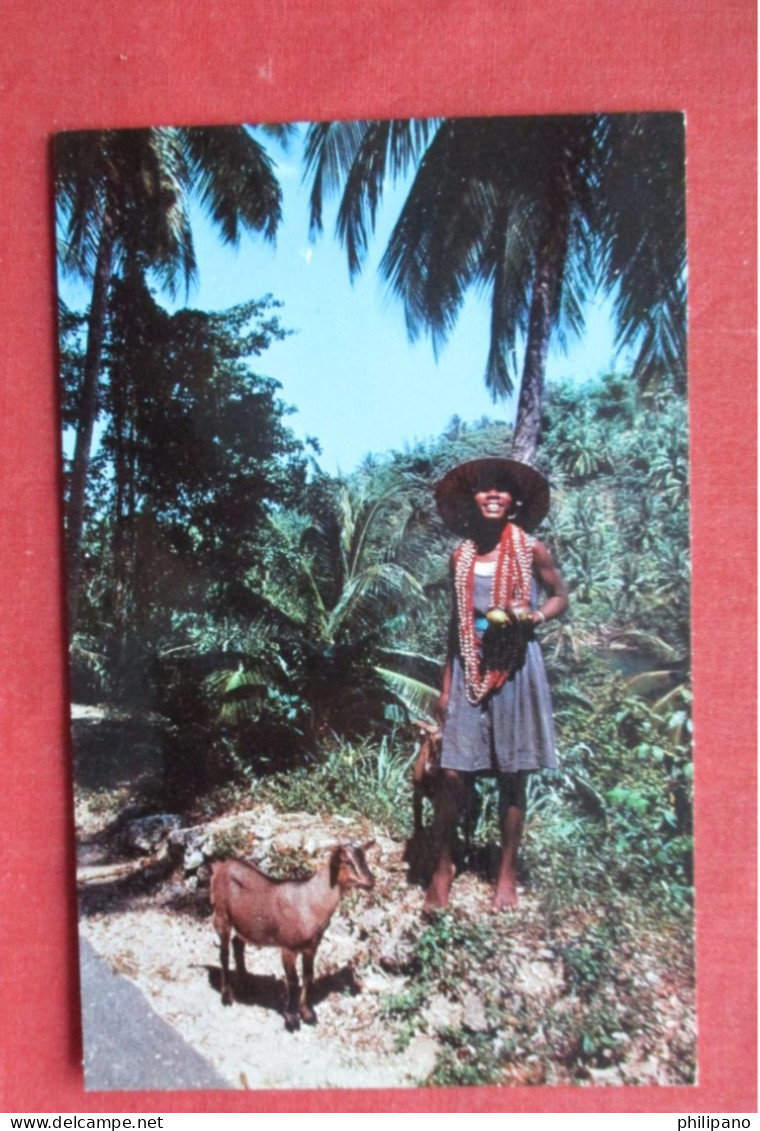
x,y
122,199
539,212
331,591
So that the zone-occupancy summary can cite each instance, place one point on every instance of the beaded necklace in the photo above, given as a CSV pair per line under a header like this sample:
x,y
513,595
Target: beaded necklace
x,y
510,585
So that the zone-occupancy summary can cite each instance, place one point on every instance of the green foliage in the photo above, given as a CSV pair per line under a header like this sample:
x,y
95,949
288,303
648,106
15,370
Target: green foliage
x,y
467,1059
232,841
328,591
365,779
450,946
194,455
450,951
617,817
403,1009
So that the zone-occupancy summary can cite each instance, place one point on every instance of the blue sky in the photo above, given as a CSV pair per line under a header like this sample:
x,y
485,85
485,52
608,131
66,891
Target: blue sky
x,y
357,383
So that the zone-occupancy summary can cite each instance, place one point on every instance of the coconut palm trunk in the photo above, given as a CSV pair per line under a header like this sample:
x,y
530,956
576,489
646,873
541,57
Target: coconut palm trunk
x,y
542,318
88,411
123,198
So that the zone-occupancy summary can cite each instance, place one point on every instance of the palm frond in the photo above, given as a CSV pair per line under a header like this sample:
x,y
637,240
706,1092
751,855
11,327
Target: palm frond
x,y
436,250
643,225
156,224
383,579
80,184
417,697
234,179
652,683
637,638
239,694
329,153
385,151
512,276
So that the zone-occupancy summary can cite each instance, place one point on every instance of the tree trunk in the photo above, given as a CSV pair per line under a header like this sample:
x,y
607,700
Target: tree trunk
x,y
544,307
88,411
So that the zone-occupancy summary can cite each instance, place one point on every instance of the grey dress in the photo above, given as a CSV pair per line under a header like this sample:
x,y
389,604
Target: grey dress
x,y
512,728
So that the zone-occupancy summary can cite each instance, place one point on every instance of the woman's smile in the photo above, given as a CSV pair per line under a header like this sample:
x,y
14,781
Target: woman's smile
x,y
493,505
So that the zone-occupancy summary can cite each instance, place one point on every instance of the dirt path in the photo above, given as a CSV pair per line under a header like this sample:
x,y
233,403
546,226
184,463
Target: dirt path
x,y
174,962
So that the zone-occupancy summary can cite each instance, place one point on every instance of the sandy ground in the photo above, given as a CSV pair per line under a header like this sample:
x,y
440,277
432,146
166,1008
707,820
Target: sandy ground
x,y
173,959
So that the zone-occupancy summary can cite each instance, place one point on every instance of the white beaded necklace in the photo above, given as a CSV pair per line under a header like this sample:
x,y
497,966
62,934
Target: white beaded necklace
x,y
510,585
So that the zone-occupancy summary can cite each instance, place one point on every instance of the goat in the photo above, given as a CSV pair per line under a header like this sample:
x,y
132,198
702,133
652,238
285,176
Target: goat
x,y
426,778
289,914
425,769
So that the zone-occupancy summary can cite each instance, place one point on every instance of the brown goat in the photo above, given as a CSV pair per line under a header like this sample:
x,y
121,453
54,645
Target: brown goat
x,y
289,914
425,769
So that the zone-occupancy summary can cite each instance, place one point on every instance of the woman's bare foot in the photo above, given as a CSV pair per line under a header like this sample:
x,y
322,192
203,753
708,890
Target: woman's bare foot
x,y
437,895
505,896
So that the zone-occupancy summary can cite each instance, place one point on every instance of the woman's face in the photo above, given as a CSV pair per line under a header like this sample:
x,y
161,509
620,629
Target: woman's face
x,y
494,503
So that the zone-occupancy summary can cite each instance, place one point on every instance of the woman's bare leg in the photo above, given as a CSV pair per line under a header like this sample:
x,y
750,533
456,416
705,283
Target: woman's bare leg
x,y
512,819
449,801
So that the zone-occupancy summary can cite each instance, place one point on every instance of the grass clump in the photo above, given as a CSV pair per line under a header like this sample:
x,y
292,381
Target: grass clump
x,y
364,779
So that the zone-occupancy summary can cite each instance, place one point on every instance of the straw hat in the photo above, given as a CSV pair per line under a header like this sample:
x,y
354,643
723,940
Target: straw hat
x,y
453,493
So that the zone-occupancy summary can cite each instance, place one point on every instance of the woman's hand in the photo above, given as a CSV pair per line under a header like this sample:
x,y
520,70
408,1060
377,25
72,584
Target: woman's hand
x,y
441,705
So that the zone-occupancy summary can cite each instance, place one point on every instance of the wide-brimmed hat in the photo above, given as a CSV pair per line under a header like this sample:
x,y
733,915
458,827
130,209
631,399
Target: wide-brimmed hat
x,y
453,493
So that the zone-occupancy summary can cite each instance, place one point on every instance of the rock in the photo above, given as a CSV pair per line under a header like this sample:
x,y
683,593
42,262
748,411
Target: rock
x,y
340,927
442,1013
203,876
374,982
317,845
397,952
292,840
187,846
611,1077
340,952
386,846
372,920
193,859
539,978
474,1015
145,834
421,1054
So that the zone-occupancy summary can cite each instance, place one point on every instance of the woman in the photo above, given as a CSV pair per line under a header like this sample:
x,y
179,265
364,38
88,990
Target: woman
x,y
494,702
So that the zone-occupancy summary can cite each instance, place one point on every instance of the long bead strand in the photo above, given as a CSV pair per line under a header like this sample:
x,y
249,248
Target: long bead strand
x,y
510,585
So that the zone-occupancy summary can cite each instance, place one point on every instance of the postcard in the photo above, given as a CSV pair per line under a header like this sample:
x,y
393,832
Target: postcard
x,y
377,527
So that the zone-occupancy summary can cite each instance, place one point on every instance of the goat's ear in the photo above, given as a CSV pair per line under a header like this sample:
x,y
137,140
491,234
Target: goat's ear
x,y
335,859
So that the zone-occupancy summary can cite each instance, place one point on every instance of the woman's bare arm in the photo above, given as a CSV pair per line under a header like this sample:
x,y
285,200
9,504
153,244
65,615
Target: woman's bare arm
x,y
550,580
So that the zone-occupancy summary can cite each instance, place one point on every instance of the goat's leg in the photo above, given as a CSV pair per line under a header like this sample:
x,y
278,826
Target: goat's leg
x,y
308,1016
238,952
417,810
291,978
223,930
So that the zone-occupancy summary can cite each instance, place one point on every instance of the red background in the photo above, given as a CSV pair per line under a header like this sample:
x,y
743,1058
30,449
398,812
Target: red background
x,y
96,63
